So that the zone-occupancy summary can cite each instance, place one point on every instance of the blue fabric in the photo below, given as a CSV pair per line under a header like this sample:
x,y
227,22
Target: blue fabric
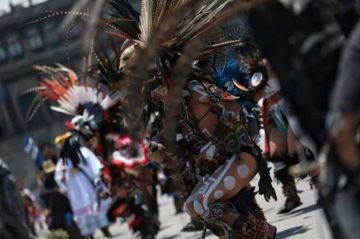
x,y
93,109
32,149
278,115
39,159
229,72
69,218
224,79
150,165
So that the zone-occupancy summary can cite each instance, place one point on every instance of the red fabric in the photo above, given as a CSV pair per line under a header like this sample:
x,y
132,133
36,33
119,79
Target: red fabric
x,y
31,209
136,222
122,142
106,175
122,210
69,125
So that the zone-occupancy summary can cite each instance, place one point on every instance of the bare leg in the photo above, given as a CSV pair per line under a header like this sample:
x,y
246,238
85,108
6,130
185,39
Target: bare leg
x,y
293,145
282,151
222,185
209,201
278,144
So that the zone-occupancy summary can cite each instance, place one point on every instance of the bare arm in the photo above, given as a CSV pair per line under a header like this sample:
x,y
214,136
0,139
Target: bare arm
x,y
344,139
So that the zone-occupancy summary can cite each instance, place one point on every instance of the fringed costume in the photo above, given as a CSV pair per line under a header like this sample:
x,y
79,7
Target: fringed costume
x,y
201,129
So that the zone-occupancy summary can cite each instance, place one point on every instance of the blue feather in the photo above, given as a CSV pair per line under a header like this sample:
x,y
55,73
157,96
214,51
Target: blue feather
x,y
224,77
93,109
229,72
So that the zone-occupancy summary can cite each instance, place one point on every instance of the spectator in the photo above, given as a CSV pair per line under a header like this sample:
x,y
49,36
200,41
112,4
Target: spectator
x,y
58,211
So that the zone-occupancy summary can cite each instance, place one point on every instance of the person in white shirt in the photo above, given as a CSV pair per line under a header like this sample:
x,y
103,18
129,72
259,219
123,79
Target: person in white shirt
x,y
78,175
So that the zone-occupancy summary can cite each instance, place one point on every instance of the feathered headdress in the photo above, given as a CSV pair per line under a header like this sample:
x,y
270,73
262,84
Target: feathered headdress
x,y
162,33
61,85
140,27
230,72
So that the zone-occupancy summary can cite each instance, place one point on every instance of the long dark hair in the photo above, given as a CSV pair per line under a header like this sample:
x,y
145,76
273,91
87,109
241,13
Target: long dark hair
x,y
71,151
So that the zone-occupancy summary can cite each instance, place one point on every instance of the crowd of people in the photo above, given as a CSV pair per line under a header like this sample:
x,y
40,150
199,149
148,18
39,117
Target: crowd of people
x,y
171,91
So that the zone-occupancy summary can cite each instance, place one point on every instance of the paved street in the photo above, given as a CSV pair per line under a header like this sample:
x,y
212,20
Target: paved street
x,y
305,222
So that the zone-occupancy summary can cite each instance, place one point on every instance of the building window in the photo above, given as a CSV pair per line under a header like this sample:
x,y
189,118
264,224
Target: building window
x,y
3,54
35,40
51,35
14,46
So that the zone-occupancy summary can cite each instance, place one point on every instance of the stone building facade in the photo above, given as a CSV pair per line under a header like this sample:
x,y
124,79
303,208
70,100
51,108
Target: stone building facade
x,y
24,44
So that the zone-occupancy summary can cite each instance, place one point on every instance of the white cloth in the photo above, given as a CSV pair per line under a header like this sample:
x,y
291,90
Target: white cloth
x,y
89,211
272,87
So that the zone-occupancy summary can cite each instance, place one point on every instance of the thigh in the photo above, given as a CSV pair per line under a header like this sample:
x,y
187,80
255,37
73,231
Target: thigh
x,y
293,144
228,180
277,141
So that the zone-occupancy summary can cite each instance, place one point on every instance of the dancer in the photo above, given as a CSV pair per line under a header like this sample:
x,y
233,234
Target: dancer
x,y
77,174
281,143
131,180
216,153
211,134
58,212
78,169
282,147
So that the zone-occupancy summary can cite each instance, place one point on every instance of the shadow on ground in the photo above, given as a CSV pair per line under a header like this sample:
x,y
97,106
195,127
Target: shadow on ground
x,y
171,236
306,209
291,232
165,227
296,213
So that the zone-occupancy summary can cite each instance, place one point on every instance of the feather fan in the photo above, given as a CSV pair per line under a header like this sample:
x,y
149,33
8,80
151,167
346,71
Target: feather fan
x,y
61,85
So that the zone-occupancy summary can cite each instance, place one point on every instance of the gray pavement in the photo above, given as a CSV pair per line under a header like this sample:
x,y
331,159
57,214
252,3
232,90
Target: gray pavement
x,y
305,222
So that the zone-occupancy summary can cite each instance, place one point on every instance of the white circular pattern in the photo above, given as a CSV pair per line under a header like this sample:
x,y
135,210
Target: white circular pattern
x,y
218,194
198,208
229,182
243,171
256,79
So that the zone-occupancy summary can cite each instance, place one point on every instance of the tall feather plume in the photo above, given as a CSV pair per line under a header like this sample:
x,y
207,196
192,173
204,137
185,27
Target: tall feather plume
x,y
184,20
51,14
139,27
165,26
182,68
180,74
123,10
34,106
153,14
55,86
69,31
146,19
140,62
61,85
106,70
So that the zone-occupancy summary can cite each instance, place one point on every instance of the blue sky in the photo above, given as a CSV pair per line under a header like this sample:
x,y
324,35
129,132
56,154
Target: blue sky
x,y
4,4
